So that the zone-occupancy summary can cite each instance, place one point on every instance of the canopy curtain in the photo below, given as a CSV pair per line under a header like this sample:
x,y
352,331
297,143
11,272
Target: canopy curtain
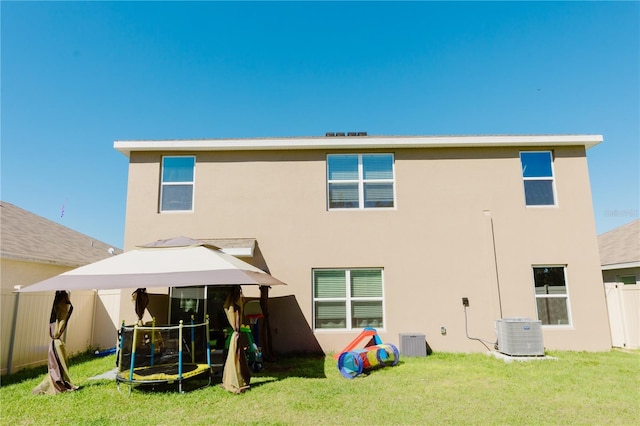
x,y
236,375
265,327
141,300
57,381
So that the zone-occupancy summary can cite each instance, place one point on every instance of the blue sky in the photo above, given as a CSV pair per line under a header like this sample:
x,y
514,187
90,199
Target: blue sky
x,y
76,76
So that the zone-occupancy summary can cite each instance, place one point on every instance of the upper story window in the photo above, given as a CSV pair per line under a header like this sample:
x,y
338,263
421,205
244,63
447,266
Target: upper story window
x,y
537,173
552,297
176,188
360,181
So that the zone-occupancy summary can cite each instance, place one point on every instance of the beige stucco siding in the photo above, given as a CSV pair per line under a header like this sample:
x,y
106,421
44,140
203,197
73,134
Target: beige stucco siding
x,y
436,246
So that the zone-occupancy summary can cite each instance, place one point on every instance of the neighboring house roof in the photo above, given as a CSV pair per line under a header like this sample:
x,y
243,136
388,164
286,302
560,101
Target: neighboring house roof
x,y
620,247
28,237
357,141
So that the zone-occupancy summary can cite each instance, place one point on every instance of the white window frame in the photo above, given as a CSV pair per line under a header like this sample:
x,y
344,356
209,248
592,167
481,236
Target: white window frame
x,y
163,184
553,296
347,299
361,181
552,178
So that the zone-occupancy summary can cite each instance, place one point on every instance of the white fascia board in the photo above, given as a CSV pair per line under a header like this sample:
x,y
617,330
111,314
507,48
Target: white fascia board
x,y
621,266
238,251
356,142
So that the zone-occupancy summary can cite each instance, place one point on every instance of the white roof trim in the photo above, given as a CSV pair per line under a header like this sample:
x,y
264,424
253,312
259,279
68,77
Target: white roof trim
x,y
238,251
356,142
621,266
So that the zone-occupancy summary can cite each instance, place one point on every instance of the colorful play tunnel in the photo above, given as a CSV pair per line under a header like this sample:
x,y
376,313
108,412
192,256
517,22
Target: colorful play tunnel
x,y
353,363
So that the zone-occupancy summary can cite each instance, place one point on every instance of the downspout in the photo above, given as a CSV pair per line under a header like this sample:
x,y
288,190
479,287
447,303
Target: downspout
x,y
487,213
465,301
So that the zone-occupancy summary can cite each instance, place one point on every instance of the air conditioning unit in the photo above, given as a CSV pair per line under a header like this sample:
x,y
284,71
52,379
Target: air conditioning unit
x,y
413,344
519,337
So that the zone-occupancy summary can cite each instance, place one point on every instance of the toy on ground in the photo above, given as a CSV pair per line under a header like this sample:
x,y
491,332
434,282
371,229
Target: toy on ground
x,y
251,349
352,362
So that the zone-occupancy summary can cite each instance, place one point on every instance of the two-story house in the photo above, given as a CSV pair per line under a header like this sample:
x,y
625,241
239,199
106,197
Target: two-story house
x,y
390,232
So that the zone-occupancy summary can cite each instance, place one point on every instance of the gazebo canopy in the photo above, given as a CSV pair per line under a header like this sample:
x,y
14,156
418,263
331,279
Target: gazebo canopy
x,y
175,262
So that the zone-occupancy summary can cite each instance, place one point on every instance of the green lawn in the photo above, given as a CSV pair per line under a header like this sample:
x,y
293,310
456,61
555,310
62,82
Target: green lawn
x,y
577,388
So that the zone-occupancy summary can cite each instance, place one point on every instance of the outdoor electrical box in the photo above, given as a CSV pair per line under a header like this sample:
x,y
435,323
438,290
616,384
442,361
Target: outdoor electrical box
x,y
412,344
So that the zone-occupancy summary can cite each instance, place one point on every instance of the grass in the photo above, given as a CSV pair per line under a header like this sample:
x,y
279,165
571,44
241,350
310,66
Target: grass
x,y
577,388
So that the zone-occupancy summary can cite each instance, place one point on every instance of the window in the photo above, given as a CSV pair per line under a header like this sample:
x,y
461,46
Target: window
x,y
187,301
176,191
199,301
360,181
537,173
347,299
627,279
552,298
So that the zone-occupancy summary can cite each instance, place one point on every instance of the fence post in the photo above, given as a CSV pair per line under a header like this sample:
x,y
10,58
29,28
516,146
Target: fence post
x,y
14,321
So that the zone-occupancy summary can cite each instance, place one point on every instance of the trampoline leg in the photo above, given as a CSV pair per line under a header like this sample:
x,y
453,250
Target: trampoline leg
x,y
119,390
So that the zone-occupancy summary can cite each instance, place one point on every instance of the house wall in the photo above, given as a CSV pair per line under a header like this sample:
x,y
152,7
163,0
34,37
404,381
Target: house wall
x,y
623,302
21,273
459,211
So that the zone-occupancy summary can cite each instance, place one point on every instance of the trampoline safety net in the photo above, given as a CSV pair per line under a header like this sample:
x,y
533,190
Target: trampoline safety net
x,y
163,354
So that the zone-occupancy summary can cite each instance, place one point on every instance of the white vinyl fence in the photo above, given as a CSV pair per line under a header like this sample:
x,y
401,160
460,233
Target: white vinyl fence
x,y
623,302
25,327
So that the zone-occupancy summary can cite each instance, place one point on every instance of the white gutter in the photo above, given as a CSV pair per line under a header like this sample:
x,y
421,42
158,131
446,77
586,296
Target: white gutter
x,y
621,266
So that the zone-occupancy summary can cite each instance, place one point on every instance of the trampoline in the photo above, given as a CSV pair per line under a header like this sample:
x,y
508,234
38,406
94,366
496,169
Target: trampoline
x,y
154,356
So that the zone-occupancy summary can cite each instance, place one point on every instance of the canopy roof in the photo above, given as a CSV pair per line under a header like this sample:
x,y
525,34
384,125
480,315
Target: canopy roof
x,y
176,262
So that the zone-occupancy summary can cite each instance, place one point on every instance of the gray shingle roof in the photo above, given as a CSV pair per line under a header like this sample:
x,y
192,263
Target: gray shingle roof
x,y
29,237
620,245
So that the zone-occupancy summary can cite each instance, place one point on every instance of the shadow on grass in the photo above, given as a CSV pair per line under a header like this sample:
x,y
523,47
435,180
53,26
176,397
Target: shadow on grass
x,y
308,366
36,372
23,375
287,366
188,386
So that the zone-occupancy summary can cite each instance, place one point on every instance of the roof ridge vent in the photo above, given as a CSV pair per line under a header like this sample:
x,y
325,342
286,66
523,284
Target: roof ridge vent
x,y
350,134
